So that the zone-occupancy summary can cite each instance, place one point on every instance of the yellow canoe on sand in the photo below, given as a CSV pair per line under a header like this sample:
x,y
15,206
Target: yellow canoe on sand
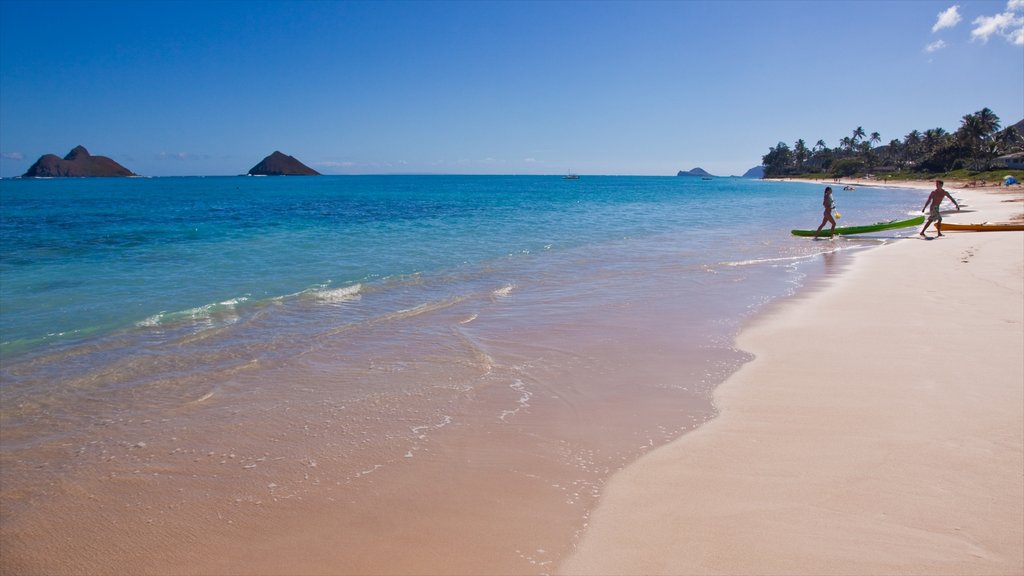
x,y
986,227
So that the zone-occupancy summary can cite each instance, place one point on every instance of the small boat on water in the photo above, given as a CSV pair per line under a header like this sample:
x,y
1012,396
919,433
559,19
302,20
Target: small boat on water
x,y
706,178
571,176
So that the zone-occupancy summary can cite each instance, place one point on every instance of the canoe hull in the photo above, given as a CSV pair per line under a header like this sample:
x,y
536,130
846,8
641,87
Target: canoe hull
x,y
847,230
982,227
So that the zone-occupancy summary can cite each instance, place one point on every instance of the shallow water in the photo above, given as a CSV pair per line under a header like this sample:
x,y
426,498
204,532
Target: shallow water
x,y
239,361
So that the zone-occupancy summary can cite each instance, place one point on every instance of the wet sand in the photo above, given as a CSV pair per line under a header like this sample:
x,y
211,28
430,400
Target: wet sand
x,y
879,430
493,478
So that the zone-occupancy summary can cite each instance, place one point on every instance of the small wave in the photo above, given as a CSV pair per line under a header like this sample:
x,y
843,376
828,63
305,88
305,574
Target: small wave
x,y
420,432
523,402
203,398
504,291
422,309
336,295
224,311
755,261
469,319
322,293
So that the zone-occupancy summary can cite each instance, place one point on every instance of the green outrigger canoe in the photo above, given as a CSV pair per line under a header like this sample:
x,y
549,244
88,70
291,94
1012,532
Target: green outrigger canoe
x,y
846,230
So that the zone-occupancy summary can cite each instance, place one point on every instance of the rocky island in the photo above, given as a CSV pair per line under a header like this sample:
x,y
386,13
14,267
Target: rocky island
x,y
279,164
78,163
695,172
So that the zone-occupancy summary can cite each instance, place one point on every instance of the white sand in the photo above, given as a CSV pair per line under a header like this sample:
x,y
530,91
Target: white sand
x,y
880,429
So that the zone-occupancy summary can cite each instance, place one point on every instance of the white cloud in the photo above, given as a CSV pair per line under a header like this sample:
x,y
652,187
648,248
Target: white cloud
x,y
935,46
1017,36
12,156
1015,5
1007,24
948,18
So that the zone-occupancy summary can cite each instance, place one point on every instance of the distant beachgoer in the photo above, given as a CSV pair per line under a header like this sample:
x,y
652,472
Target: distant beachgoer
x,y
829,205
935,198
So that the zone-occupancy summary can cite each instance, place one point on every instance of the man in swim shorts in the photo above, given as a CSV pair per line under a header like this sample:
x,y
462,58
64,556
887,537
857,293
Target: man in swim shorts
x,y
935,198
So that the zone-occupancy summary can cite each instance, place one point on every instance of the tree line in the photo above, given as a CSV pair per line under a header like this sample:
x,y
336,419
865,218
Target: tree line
x,y
974,146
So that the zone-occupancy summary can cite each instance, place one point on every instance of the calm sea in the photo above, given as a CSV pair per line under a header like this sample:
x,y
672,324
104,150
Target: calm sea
x,y
345,322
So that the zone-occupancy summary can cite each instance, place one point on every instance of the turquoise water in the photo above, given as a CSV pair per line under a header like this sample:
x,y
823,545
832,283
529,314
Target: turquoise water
x,y
84,258
207,342
180,277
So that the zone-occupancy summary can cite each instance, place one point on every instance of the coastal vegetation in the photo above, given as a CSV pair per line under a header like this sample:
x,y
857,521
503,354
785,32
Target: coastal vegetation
x,y
979,149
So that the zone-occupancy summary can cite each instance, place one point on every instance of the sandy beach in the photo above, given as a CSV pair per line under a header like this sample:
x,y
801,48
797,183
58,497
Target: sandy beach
x,y
879,430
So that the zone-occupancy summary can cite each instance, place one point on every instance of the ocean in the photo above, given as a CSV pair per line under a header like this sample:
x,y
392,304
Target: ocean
x,y
183,355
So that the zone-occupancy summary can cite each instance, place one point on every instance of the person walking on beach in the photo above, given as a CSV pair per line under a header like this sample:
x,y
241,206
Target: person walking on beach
x,y
829,205
935,198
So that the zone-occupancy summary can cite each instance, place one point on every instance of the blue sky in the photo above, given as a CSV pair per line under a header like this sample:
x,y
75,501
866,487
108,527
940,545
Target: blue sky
x,y
207,88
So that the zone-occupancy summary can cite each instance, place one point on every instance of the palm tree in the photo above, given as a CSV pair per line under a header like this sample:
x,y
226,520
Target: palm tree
x,y
933,139
977,140
976,131
800,154
989,121
858,134
1009,141
972,134
912,144
895,152
777,160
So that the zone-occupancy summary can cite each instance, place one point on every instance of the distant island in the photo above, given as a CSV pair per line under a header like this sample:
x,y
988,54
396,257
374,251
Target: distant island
x,y
755,172
695,172
77,164
279,164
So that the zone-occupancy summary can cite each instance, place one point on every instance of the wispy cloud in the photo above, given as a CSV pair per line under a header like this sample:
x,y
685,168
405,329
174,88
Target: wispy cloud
x,y
1008,24
935,46
12,156
948,18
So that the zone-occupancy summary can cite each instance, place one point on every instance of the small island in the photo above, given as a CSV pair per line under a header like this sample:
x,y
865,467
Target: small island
x,y
695,172
279,164
77,164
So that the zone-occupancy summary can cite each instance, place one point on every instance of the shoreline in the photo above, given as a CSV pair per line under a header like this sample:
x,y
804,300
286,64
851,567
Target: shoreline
x,y
893,446
911,184
951,185
498,478
483,445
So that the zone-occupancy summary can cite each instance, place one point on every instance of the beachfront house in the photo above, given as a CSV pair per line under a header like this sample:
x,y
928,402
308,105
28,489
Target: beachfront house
x,y
1013,161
